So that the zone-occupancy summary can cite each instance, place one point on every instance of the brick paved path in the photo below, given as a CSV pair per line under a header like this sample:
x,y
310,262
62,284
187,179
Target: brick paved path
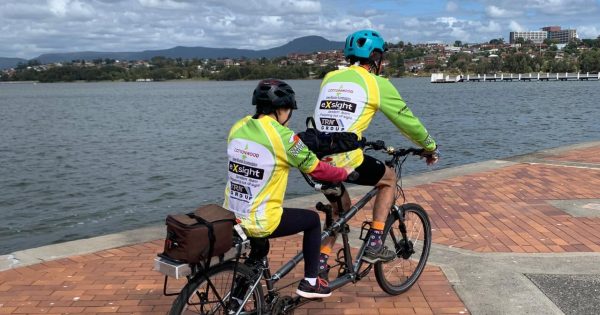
x,y
120,280
503,210
507,210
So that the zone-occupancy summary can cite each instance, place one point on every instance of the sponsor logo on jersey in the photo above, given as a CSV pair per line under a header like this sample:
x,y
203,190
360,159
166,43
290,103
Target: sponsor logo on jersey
x,y
341,89
294,139
240,191
331,125
338,105
297,147
329,122
245,170
246,153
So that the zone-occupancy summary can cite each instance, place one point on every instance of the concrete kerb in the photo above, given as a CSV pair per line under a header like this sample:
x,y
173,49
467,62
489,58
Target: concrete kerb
x,y
85,246
79,247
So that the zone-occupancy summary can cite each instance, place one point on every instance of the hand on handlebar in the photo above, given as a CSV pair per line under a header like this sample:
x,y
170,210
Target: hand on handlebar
x,y
431,157
352,175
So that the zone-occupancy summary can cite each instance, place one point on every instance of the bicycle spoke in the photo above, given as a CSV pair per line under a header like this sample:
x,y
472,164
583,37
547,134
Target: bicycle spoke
x,y
412,250
217,298
400,265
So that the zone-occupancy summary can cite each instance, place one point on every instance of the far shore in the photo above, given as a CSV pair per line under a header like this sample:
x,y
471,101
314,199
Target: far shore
x,y
179,80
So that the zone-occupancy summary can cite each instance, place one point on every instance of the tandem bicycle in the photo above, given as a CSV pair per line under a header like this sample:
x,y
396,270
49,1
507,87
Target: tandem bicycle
x,y
234,284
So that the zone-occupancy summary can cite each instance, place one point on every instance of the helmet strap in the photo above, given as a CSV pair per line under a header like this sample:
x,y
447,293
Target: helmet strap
x,y
289,117
376,64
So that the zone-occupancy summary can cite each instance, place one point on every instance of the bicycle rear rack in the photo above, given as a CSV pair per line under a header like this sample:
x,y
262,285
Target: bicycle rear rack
x,y
179,270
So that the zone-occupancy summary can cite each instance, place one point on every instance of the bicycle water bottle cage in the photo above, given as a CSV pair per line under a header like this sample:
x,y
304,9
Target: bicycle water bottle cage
x,y
366,226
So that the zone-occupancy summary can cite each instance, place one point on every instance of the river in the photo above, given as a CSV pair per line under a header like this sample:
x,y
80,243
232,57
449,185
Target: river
x,y
84,159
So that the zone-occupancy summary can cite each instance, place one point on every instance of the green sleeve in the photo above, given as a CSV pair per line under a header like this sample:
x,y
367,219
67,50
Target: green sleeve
x,y
394,108
298,154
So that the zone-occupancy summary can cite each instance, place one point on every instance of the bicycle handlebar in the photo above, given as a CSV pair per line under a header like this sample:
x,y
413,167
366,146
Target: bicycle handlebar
x,y
379,145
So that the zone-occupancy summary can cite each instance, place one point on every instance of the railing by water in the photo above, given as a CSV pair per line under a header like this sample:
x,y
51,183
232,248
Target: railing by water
x,y
524,77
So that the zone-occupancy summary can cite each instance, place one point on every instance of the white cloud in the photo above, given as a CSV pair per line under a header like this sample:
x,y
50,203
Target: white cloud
x,y
514,26
412,22
588,31
563,7
497,12
452,6
32,27
73,9
491,27
446,20
164,4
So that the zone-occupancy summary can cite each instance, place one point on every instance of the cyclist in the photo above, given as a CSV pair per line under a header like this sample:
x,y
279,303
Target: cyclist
x,y
348,100
261,150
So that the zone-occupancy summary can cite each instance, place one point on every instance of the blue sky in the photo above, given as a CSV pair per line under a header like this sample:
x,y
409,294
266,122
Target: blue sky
x,y
29,28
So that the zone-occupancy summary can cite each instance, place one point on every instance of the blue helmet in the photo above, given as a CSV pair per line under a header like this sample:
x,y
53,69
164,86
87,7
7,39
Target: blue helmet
x,y
362,43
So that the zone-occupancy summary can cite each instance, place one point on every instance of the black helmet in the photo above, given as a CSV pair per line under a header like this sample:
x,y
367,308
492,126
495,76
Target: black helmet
x,y
271,94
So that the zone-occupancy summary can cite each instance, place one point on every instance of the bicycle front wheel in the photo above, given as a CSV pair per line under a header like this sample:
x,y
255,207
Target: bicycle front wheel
x,y
200,296
410,237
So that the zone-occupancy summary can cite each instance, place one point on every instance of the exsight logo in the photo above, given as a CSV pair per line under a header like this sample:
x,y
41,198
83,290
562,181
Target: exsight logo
x,y
245,170
338,105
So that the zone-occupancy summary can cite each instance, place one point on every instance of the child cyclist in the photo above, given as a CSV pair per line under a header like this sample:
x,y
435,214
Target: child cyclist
x,y
261,150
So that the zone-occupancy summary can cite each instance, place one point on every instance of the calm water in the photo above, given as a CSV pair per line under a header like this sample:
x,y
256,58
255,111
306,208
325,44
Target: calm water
x,y
80,160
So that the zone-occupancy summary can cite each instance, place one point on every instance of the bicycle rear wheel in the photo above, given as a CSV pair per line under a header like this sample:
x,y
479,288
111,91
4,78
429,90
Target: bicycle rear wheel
x,y
399,275
196,299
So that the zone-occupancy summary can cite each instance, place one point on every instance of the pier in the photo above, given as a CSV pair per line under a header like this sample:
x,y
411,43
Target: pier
x,y
523,77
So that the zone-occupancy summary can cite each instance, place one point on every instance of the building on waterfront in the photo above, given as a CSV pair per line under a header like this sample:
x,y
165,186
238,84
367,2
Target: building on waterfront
x,y
549,32
536,37
551,28
560,35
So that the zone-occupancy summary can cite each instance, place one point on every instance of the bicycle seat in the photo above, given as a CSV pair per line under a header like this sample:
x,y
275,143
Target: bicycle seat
x,y
259,248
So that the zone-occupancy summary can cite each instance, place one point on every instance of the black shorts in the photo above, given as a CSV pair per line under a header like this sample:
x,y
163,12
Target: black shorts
x,y
370,172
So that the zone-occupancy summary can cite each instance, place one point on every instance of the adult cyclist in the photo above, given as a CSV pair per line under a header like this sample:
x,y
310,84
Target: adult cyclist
x,y
261,150
348,100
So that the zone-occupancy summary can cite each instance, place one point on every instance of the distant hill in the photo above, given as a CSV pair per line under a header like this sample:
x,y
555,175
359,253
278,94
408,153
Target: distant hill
x,y
306,44
6,63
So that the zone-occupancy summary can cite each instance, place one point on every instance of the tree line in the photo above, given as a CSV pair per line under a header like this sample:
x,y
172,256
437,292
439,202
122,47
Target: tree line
x,y
161,68
531,58
527,58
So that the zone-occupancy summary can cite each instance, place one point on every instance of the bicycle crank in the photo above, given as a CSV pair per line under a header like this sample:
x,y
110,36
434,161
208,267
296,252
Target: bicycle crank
x,y
282,306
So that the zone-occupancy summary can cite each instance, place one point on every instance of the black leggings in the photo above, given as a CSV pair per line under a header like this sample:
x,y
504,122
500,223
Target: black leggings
x,y
294,221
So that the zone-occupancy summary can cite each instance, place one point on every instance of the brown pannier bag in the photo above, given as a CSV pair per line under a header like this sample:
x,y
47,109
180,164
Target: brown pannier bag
x,y
197,236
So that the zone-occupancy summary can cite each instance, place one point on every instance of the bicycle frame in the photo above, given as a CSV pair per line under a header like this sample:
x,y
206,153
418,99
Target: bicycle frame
x,y
352,268
337,226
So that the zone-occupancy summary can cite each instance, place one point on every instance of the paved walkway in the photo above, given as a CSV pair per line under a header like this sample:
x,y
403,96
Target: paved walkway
x,y
507,233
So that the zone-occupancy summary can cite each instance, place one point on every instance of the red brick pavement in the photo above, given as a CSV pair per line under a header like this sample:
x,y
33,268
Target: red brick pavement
x,y
507,210
503,210
121,280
